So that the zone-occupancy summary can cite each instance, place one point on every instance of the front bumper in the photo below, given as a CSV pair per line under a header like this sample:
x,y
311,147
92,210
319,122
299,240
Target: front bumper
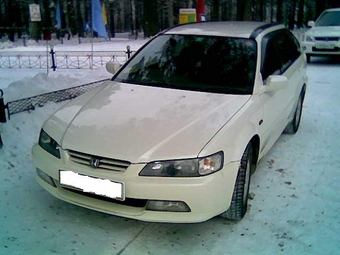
x,y
321,48
206,196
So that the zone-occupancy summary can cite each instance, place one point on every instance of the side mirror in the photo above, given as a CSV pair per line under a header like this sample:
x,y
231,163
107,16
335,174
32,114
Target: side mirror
x,y
275,83
310,23
112,67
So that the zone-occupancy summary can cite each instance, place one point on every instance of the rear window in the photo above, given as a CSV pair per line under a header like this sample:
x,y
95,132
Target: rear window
x,y
329,19
199,63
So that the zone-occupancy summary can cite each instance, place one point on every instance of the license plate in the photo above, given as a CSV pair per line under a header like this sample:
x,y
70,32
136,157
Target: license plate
x,y
88,184
325,45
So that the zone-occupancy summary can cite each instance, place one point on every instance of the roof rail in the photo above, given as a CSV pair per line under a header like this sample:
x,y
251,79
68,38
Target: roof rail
x,y
260,29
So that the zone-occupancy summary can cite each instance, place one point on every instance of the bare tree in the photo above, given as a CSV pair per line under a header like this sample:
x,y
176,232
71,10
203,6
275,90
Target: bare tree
x,y
320,5
150,21
299,22
153,15
244,10
215,10
291,8
170,4
279,11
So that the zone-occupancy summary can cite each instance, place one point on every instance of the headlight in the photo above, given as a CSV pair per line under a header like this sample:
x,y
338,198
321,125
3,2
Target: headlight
x,y
48,144
308,38
184,168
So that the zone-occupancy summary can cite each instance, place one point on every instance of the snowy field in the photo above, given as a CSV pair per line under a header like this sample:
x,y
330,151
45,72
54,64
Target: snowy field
x,y
296,189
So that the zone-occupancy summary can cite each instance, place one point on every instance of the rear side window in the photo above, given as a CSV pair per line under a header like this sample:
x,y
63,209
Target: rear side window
x,y
280,49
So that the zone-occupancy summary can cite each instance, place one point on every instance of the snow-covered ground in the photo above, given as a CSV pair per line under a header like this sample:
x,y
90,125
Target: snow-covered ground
x,y
295,210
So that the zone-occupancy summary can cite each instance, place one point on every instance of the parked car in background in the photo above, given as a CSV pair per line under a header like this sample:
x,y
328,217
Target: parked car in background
x,y
177,133
323,39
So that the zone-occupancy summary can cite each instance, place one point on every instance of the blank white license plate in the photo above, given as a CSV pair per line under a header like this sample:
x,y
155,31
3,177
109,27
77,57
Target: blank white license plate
x,y
93,185
325,45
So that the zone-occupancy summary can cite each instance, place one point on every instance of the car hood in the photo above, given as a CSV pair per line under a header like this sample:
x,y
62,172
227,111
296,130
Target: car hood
x,y
324,31
140,123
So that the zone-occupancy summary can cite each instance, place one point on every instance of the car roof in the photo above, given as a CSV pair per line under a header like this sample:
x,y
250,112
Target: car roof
x,y
241,29
332,10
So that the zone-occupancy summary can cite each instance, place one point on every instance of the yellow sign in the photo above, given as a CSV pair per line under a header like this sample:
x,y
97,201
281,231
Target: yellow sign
x,y
187,15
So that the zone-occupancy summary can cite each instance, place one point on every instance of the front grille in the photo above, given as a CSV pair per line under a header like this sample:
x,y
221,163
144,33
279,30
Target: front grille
x,y
327,39
102,163
336,49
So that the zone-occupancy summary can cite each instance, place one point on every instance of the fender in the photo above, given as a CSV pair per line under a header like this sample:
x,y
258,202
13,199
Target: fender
x,y
235,135
238,137
236,146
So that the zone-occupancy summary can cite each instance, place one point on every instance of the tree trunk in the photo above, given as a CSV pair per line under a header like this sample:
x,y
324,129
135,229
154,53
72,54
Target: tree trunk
x,y
299,23
150,18
291,13
244,10
65,13
240,9
82,14
79,23
215,10
170,12
279,16
133,18
35,26
111,25
261,10
225,12
320,6
271,10
257,10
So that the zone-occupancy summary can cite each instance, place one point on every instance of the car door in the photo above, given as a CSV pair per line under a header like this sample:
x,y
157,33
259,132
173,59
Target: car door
x,y
279,57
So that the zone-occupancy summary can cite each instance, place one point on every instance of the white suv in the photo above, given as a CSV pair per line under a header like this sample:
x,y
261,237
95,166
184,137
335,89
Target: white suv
x,y
324,37
180,128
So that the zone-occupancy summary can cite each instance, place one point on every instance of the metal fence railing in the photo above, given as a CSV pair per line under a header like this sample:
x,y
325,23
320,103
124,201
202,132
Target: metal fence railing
x,y
23,59
61,59
84,59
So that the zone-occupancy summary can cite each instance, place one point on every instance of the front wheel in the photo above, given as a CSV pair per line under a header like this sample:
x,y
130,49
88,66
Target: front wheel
x,y
239,203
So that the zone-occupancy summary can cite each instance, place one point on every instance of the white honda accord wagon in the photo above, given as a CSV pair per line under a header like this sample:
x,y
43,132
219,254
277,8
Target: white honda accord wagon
x,y
178,131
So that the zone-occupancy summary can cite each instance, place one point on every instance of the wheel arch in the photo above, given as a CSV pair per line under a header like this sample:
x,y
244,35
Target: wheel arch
x,y
255,143
248,135
237,208
303,91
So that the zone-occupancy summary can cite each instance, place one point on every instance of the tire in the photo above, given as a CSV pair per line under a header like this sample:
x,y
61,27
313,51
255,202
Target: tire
x,y
293,126
308,58
239,202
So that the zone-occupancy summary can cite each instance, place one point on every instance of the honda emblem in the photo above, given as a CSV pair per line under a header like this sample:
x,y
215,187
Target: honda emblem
x,y
94,162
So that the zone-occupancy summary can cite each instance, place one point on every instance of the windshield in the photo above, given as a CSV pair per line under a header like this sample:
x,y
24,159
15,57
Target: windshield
x,y
329,19
191,62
